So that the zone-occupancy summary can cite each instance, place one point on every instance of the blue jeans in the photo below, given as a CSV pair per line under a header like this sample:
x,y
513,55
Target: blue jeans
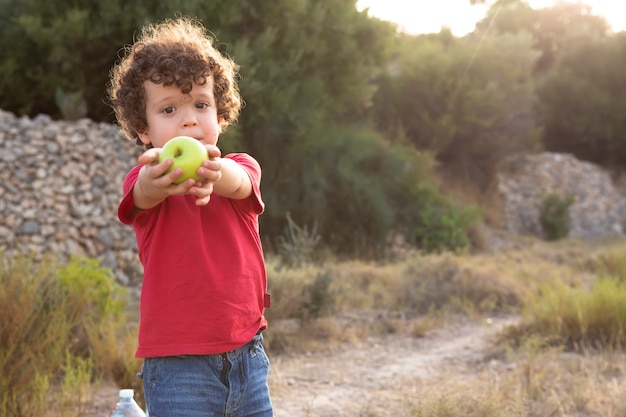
x,y
232,384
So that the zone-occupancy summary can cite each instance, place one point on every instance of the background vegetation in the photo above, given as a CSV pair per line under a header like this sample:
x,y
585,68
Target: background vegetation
x,y
64,325
338,101
354,125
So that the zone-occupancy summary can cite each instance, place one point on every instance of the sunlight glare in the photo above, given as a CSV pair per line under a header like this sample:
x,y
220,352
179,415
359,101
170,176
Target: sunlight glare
x,y
427,16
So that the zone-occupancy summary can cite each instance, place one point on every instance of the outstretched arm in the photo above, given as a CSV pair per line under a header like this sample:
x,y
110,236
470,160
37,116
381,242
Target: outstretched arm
x,y
223,176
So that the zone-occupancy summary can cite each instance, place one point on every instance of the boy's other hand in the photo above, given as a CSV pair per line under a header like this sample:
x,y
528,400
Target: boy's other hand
x,y
211,172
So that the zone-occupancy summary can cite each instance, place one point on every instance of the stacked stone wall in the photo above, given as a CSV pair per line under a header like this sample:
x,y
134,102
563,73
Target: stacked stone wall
x,y
60,184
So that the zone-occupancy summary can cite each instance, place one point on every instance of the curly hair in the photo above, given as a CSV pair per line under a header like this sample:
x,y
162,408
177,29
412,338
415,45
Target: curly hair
x,y
174,52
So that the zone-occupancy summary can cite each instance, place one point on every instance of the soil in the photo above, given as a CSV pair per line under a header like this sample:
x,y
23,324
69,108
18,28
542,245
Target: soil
x,y
371,378
378,375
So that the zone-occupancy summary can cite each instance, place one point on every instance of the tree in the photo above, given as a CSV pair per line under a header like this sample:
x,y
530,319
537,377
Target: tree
x,y
580,86
582,100
69,46
308,71
470,101
550,27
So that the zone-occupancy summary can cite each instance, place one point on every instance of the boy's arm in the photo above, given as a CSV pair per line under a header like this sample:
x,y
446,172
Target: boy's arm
x,y
145,194
234,181
224,177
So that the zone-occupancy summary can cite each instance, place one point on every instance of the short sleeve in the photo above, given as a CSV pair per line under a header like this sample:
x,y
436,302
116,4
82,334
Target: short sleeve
x,y
126,209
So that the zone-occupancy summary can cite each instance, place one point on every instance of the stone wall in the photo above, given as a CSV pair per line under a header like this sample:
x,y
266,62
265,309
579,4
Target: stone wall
x,y
60,184
524,181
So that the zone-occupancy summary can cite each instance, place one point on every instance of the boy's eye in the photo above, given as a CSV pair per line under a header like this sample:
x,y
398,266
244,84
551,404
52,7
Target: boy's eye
x,y
168,110
202,105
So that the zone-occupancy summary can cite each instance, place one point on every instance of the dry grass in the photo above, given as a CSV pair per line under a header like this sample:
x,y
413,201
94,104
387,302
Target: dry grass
x,y
564,358
531,381
494,282
61,331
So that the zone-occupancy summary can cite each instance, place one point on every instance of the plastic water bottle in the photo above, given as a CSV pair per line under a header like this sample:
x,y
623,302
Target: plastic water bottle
x,y
127,406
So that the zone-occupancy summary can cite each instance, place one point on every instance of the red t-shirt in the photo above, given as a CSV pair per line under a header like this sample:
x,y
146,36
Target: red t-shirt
x,y
204,279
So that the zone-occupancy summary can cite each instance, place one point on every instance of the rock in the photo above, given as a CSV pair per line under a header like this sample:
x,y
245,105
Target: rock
x,y
29,227
524,181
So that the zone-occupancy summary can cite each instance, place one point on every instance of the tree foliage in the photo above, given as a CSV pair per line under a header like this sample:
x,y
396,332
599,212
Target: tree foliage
x,y
347,116
583,99
69,45
470,101
581,87
308,71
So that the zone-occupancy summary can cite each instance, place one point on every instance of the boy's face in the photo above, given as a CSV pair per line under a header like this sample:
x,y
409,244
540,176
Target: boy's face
x,y
171,113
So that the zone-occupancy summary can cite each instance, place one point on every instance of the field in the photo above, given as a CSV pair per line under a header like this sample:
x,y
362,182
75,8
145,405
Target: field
x,y
527,328
478,350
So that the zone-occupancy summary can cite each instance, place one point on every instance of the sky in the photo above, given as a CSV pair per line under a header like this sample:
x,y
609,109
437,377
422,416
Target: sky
x,y
426,16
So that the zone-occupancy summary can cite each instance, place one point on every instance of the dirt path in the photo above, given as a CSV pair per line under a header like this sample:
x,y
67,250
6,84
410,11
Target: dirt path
x,y
375,377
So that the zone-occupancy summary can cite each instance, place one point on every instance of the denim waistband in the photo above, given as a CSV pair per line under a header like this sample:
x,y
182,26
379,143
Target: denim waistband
x,y
258,338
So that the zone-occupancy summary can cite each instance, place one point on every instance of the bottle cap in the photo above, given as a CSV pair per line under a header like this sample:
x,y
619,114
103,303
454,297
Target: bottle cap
x,y
127,393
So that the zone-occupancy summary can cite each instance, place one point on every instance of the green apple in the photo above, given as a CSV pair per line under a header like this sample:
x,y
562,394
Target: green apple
x,y
186,153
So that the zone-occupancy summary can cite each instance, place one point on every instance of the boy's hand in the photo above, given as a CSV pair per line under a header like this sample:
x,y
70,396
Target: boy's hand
x,y
211,172
154,182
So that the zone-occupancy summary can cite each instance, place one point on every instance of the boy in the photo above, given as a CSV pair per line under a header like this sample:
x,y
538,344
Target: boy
x,y
204,287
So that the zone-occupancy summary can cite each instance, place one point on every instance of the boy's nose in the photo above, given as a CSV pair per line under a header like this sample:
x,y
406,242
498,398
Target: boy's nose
x,y
187,115
189,120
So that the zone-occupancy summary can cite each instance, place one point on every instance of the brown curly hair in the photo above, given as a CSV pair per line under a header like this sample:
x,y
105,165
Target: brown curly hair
x,y
174,52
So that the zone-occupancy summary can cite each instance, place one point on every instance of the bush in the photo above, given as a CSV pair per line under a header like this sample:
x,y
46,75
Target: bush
x,y
296,247
362,191
51,316
444,227
576,317
319,299
555,217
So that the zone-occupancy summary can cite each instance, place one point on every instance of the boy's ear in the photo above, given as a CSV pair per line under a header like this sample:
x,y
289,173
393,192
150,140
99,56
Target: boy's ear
x,y
144,137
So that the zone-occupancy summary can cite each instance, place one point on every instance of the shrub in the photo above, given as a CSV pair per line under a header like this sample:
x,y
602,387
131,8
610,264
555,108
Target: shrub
x,y
297,245
362,191
445,227
555,216
302,293
50,314
576,317
319,300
